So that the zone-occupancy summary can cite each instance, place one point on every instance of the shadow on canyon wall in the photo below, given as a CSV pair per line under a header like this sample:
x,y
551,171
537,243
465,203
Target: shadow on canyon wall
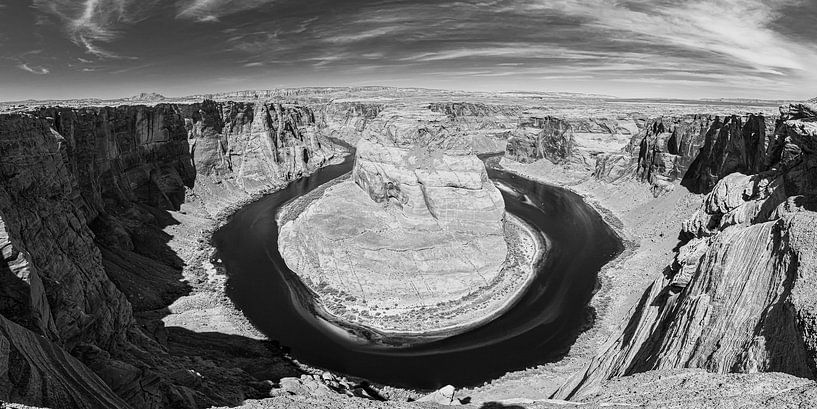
x,y
96,247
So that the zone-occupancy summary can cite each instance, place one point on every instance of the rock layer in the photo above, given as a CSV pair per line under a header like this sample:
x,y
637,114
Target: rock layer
x,y
571,142
735,299
419,224
82,195
697,150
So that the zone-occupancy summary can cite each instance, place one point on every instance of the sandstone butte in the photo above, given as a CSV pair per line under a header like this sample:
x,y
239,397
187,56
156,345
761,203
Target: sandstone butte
x,y
417,240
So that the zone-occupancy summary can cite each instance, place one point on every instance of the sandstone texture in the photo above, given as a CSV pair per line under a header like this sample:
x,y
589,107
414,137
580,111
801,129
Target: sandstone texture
x,y
87,268
111,297
418,225
697,150
569,142
734,299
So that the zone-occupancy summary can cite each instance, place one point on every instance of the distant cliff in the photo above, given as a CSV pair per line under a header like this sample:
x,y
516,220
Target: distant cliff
x,y
570,142
697,150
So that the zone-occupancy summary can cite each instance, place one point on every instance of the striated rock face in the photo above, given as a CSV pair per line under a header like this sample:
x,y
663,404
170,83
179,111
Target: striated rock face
x,y
486,127
571,142
695,149
81,199
241,150
125,154
732,144
551,139
419,224
347,121
736,299
37,372
45,224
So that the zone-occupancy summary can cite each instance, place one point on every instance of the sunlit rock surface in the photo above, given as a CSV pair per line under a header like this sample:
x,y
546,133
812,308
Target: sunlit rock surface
x,y
418,224
738,297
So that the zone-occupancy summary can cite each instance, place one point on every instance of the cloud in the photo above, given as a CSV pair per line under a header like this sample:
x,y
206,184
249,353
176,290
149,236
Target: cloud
x,y
737,29
39,70
711,45
213,10
88,23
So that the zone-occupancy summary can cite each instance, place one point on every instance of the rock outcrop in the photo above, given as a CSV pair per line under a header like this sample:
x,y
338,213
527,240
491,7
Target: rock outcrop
x,y
242,150
38,372
732,144
694,149
418,225
569,142
736,299
82,195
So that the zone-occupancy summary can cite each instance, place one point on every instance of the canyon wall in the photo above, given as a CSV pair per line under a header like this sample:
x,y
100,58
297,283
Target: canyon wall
x,y
737,296
570,142
697,150
81,199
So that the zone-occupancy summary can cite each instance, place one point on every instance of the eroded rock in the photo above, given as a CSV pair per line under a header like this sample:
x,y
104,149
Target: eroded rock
x,y
420,224
734,299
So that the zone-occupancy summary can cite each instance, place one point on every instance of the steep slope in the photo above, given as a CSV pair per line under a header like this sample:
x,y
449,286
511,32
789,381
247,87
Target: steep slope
x,y
570,142
736,299
83,195
696,149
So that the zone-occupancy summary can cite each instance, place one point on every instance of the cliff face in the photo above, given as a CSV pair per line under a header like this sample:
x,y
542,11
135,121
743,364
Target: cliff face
x,y
81,199
695,149
241,150
571,142
732,144
736,299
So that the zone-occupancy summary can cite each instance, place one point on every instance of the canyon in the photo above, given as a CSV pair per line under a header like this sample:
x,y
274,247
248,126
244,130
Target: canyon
x,y
112,294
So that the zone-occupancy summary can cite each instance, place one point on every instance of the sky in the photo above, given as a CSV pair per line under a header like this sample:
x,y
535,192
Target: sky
x,y
765,49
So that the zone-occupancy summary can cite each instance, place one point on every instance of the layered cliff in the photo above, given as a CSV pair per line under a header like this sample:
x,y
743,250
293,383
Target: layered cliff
x,y
569,142
83,195
694,149
736,298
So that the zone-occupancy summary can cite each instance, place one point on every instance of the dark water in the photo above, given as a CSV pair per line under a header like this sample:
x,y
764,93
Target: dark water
x,y
539,328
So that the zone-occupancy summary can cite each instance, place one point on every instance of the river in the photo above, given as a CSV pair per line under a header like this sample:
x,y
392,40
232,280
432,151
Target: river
x,y
539,328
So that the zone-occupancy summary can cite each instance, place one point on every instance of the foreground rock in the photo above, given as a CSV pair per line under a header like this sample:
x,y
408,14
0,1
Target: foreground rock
x,y
738,296
419,226
88,268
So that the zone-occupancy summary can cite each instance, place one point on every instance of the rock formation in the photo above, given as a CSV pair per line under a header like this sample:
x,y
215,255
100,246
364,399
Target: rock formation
x,y
86,271
570,142
418,225
737,297
687,148
81,199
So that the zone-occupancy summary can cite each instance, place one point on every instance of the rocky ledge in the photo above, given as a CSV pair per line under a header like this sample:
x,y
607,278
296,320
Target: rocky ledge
x,y
739,295
418,241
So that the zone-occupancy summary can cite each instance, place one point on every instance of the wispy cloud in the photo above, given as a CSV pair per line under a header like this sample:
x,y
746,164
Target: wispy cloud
x,y
35,69
700,46
738,29
214,10
90,23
